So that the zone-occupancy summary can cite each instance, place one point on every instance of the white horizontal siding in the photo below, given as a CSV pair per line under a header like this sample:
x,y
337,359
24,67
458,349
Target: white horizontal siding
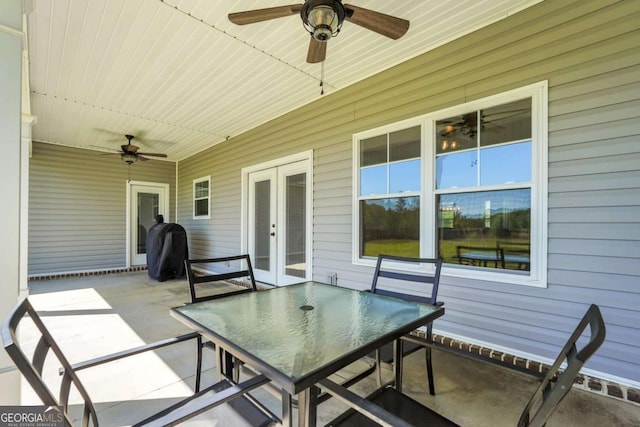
x,y
589,53
77,207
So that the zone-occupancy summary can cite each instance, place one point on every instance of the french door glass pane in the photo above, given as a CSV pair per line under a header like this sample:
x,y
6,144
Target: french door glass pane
x,y
147,211
295,242
262,225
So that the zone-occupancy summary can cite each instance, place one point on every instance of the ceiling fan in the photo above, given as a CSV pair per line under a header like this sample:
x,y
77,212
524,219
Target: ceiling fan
x,y
130,154
323,20
467,124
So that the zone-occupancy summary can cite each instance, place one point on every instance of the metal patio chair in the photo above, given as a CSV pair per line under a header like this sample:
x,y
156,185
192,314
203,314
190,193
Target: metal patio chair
x,y
422,286
390,407
208,279
47,350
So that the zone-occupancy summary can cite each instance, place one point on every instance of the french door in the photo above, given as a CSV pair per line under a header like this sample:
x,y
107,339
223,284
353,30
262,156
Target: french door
x,y
279,222
146,201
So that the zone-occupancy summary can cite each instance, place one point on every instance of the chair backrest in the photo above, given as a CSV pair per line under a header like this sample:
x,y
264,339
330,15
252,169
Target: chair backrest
x,y
553,389
214,272
32,367
392,267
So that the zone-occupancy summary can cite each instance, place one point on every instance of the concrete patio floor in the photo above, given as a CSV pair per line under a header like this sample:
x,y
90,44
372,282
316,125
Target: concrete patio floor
x,y
96,315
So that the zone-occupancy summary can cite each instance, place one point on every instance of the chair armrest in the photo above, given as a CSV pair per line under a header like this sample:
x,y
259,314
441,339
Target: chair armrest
x,y
131,352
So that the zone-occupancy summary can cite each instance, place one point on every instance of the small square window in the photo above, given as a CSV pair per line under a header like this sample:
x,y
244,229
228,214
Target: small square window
x,y
202,198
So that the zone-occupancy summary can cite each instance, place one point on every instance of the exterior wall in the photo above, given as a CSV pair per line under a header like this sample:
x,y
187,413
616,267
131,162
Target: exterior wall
x,y
589,52
78,210
10,186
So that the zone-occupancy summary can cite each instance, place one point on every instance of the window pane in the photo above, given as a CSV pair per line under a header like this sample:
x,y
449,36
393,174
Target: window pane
x,y
457,133
262,225
404,176
202,207
148,208
373,180
505,123
295,242
505,164
390,226
490,229
457,170
373,151
202,189
404,144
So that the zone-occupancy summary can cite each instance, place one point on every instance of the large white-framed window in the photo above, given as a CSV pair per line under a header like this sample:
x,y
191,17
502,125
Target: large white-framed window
x,y
467,184
202,198
388,190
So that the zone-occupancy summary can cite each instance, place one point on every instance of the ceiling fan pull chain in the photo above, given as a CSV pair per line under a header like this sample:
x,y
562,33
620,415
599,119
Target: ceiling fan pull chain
x,y
322,78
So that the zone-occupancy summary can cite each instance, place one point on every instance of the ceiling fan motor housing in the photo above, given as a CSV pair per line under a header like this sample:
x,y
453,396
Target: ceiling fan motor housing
x,y
322,18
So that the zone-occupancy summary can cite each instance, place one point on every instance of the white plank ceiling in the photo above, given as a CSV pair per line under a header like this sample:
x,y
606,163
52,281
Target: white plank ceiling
x,y
180,77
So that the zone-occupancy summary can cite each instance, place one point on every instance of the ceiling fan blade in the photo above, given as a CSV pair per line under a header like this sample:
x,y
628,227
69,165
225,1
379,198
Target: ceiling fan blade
x,y
317,51
152,154
501,115
381,23
129,148
259,15
141,158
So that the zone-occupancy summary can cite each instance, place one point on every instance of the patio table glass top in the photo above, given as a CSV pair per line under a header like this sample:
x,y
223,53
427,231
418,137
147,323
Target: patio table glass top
x,y
301,333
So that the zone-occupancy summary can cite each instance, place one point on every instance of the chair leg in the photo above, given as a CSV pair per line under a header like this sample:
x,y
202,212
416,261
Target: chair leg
x,y
198,363
432,389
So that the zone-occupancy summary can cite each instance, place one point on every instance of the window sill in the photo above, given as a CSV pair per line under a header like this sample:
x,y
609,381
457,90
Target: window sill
x,y
501,277
479,274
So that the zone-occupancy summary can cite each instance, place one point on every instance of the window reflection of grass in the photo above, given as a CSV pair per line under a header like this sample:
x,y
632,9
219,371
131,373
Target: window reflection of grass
x,y
410,248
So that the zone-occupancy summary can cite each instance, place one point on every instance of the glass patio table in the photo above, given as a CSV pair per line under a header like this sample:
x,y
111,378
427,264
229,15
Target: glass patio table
x,y
300,334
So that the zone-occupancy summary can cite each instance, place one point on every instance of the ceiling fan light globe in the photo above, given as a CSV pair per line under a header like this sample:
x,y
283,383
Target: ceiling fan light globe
x,y
322,18
323,15
129,158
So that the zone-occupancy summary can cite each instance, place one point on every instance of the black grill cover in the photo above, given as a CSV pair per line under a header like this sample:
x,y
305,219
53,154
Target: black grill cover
x,y
166,251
